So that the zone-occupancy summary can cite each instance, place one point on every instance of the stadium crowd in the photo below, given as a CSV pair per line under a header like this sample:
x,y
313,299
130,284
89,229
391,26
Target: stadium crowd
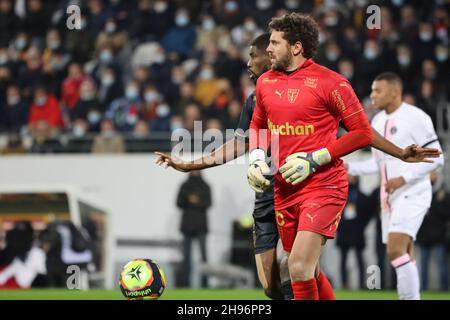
x,y
139,67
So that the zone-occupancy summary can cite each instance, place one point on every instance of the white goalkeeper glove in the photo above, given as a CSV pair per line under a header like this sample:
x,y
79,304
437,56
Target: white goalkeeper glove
x,y
300,165
255,173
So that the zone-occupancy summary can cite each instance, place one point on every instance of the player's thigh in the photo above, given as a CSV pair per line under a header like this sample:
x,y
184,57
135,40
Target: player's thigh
x,y
287,224
398,244
407,217
307,248
321,213
265,237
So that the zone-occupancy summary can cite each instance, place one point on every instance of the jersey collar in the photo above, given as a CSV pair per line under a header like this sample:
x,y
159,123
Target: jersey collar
x,y
304,65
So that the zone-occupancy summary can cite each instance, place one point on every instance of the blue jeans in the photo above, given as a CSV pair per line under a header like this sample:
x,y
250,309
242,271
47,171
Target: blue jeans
x,y
441,259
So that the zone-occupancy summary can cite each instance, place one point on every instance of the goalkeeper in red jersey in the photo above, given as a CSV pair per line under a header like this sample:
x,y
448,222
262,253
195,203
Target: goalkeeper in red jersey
x,y
301,104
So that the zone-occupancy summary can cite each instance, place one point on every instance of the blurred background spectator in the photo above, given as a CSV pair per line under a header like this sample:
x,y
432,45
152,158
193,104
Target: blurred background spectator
x,y
433,235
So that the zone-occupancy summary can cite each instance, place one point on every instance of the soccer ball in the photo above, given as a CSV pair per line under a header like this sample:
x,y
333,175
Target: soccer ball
x,y
142,279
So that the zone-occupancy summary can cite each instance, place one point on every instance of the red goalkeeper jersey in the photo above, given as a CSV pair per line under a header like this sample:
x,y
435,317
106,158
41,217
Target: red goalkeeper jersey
x,y
302,111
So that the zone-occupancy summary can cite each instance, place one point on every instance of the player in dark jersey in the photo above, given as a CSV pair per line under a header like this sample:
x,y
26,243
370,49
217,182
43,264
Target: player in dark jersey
x,y
273,277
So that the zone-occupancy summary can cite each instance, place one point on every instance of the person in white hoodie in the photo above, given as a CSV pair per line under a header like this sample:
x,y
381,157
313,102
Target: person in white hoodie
x,y
405,189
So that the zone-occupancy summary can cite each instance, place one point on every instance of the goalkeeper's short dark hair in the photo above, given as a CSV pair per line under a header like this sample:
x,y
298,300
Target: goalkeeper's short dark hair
x,y
390,77
261,42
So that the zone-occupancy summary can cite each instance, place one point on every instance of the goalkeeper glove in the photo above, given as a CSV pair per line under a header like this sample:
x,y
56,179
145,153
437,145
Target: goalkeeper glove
x,y
300,165
258,167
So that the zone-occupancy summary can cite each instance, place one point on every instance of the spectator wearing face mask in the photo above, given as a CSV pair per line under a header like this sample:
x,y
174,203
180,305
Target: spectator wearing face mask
x,y
97,15
71,86
442,57
265,10
108,141
231,65
347,69
426,41
44,138
331,55
207,86
8,21
54,61
80,43
14,113
30,74
370,64
124,111
151,20
210,33
88,108
14,146
181,38
109,87
141,130
408,27
228,13
406,66
152,98
37,19
105,59
45,107
161,121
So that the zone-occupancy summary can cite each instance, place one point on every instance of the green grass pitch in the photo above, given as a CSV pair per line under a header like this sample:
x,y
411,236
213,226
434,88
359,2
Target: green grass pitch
x,y
192,294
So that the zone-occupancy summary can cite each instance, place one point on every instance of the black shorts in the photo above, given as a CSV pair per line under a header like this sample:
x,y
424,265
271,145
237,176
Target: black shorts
x,y
265,232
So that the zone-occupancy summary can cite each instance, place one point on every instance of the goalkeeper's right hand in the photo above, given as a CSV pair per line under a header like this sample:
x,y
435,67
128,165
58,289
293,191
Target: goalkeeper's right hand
x,y
255,173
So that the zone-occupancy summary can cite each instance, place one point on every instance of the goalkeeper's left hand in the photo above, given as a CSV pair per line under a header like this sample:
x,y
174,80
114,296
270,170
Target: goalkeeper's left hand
x,y
300,165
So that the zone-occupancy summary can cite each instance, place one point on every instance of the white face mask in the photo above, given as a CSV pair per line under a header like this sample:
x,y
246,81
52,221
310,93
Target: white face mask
x,y
182,20
370,54
250,26
175,125
87,96
160,6
332,55
106,56
397,3
206,74
263,4
40,102
162,110
94,117
404,60
151,96
347,74
107,80
3,59
108,134
425,36
53,44
331,21
231,6
131,119
13,100
79,131
291,4
110,27
21,43
132,93
159,59
441,56
208,24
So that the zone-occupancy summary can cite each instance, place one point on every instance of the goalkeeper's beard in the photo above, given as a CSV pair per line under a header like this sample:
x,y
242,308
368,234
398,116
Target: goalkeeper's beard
x,y
283,63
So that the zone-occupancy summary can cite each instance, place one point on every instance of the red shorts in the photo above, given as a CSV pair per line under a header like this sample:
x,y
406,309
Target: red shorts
x,y
318,212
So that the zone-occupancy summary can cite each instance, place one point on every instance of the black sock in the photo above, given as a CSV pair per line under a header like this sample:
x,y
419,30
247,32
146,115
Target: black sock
x,y
286,289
